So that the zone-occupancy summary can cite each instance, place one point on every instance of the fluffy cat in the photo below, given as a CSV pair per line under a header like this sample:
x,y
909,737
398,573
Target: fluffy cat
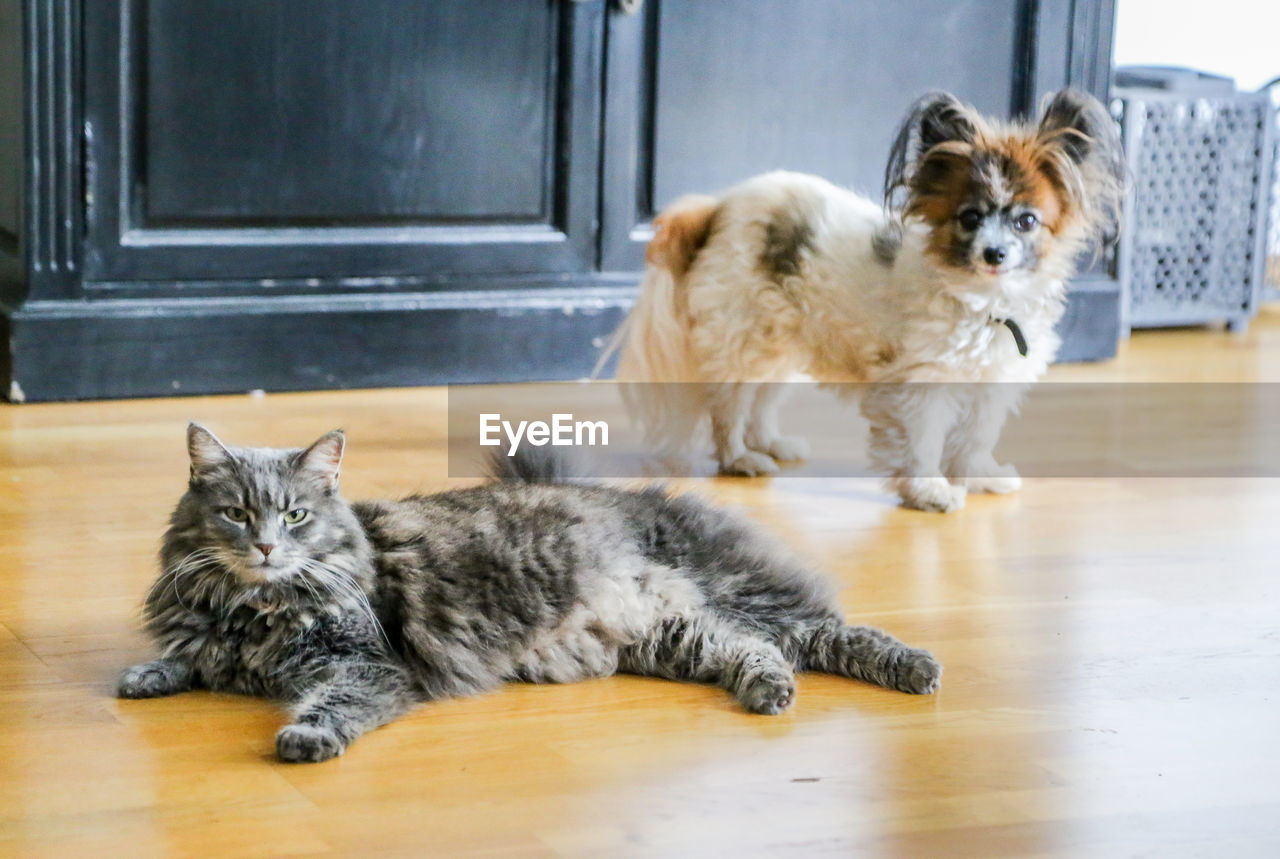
x,y
273,585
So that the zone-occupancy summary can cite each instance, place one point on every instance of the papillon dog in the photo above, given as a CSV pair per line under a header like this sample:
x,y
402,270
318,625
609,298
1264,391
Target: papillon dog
x,y
957,276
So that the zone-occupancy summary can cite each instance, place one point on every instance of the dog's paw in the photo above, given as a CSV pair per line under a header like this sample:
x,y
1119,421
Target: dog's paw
x,y
932,494
918,673
789,448
307,744
750,464
769,693
1001,480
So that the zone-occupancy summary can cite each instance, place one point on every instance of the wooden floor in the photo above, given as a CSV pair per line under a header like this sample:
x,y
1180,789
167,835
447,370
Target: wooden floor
x,y
1112,685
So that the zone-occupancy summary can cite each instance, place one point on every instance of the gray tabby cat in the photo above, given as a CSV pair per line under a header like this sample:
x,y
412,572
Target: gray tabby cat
x,y
273,585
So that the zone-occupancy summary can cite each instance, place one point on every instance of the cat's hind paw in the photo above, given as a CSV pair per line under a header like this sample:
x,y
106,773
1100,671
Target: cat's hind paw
x,y
307,744
769,693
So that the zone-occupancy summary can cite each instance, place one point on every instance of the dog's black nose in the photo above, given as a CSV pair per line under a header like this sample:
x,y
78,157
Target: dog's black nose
x,y
993,256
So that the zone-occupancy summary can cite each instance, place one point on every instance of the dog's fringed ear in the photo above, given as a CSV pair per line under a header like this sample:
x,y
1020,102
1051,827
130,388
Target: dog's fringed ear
x,y
1084,129
935,118
1090,156
943,118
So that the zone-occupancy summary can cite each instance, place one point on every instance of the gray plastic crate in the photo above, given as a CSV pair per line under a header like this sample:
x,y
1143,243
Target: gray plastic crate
x,y
1193,244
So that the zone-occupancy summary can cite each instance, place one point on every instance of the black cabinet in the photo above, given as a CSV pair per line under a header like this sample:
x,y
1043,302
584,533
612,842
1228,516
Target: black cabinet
x,y
220,195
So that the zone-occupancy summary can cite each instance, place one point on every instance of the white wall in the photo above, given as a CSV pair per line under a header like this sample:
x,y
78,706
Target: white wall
x,y
1237,38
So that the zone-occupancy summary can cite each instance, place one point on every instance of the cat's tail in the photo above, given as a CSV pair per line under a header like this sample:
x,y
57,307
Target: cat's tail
x,y
536,465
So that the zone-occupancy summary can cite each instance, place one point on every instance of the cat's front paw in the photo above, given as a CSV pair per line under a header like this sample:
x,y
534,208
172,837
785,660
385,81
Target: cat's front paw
x,y
769,693
307,744
918,673
152,680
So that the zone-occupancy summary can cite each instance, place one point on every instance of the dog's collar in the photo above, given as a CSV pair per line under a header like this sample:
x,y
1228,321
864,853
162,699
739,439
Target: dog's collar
x,y
1016,330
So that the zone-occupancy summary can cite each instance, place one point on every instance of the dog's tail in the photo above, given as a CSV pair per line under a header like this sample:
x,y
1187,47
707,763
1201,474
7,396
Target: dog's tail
x,y
653,342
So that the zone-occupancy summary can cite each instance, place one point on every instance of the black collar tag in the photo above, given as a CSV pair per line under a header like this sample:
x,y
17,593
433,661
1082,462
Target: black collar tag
x,y
1018,336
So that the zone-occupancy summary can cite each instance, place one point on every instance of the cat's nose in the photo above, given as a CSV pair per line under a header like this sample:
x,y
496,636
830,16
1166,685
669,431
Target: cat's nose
x,y
264,548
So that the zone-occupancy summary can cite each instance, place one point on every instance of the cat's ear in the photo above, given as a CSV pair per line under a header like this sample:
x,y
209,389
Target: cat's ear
x,y
323,460
207,453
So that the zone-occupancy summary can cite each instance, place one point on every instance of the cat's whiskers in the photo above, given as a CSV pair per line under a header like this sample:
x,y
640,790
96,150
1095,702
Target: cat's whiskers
x,y
315,595
199,561
341,584
339,589
214,588
338,584
167,576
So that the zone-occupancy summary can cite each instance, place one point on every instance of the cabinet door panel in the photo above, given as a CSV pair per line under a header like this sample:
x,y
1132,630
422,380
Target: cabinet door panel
x,y
348,112
329,139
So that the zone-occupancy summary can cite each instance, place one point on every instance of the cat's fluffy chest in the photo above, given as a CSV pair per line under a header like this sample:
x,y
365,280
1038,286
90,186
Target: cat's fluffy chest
x,y
251,648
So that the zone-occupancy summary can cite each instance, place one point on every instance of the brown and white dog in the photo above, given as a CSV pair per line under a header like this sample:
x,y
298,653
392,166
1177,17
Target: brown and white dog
x,y
958,278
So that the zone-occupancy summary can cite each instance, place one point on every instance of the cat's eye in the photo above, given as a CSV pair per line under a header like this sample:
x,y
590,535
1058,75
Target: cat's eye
x,y
236,514
1026,222
970,219
295,517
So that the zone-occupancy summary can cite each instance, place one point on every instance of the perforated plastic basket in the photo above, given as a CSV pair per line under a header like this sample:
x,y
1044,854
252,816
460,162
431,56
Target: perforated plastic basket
x,y
1193,243
1271,274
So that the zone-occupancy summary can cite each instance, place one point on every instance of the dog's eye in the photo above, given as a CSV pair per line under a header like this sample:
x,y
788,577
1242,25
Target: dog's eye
x,y
1026,222
236,514
970,219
